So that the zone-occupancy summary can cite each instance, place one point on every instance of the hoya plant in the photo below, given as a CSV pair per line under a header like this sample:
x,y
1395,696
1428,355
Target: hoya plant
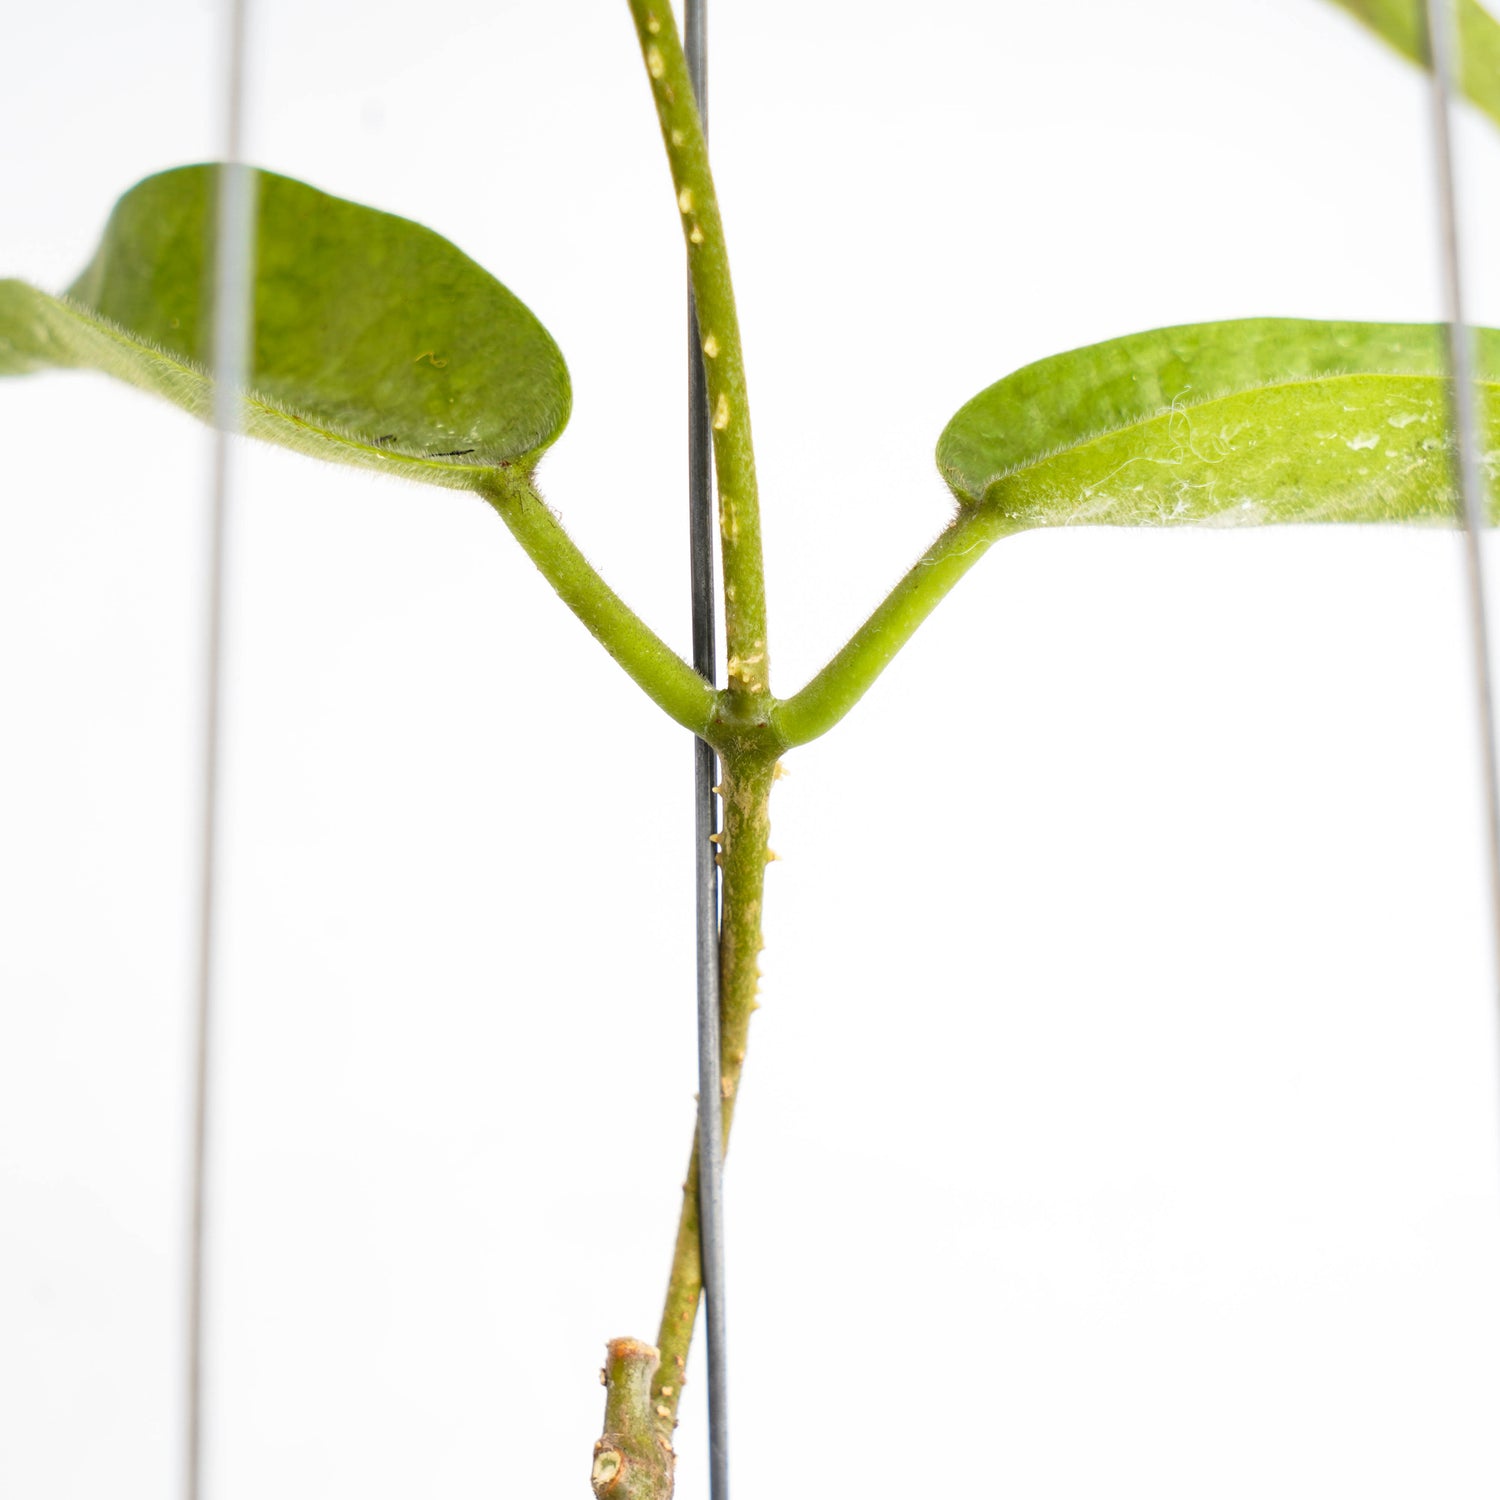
x,y
380,345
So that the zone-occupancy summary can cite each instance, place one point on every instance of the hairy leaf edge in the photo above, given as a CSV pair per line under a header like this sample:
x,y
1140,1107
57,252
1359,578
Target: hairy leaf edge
x,y
970,501
347,446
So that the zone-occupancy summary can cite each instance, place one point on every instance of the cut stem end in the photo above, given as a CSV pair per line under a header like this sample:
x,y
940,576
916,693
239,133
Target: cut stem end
x,y
633,1460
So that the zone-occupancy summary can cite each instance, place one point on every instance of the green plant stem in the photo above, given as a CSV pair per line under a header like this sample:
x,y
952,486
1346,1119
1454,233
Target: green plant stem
x,y
744,853
719,329
632,1461
634,1458
840,685
663,675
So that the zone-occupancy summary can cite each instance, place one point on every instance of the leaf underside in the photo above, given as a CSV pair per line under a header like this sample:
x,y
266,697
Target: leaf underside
x,y
376,341
1251,422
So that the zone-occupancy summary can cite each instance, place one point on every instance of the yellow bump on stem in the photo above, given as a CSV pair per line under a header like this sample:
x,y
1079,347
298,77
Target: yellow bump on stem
x,y
653,25
685,201
655,63
721,412
748,672
711,347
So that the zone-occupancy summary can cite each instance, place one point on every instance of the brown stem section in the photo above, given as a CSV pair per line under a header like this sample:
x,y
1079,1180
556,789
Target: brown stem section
x,y
744,854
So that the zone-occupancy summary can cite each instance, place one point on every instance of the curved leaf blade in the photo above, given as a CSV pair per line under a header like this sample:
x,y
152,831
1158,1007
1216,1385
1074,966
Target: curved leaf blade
x,y
376,341
1403,24
1252,422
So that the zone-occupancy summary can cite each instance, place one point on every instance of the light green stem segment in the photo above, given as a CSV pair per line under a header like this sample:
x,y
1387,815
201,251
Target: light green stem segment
x,y
663,675
747,826
843,682
724,362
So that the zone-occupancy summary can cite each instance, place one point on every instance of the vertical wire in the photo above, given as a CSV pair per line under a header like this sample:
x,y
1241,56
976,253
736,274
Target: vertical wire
x,y
1470,482
234,229
706,899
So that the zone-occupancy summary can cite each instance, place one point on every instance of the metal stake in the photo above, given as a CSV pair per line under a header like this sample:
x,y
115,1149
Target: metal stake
x,y
706,904
232,282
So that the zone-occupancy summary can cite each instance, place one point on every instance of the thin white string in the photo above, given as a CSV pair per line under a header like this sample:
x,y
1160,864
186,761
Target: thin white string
x,y
1467,473
233,242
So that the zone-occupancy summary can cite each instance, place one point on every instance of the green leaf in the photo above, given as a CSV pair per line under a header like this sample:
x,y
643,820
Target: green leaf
x,y
376,341
1403,23
1243,423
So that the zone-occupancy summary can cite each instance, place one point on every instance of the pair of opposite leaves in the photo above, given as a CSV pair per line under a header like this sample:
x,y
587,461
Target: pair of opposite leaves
x,y
377,342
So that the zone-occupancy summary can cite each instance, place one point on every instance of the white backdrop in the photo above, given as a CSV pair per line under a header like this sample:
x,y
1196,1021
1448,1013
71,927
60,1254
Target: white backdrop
x,y
1122,1113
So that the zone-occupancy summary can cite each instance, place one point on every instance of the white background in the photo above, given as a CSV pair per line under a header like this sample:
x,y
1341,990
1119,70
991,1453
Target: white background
x,y
1122,1113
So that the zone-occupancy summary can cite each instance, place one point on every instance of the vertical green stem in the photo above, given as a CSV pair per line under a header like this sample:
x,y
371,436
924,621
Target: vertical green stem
x,y
630,1462
744,852
719,328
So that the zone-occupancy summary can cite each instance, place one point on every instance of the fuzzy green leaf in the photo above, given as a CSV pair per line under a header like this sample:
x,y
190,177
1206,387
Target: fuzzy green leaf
x,y
1244,423
1403,23
376,341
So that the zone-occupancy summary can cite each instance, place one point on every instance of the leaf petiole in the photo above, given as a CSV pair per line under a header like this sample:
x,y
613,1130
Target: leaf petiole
x,y
661,674
828,696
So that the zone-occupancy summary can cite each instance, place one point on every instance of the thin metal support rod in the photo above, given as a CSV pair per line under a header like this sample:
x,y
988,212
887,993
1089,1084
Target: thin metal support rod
x,y
233,242
706,901
1468,476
